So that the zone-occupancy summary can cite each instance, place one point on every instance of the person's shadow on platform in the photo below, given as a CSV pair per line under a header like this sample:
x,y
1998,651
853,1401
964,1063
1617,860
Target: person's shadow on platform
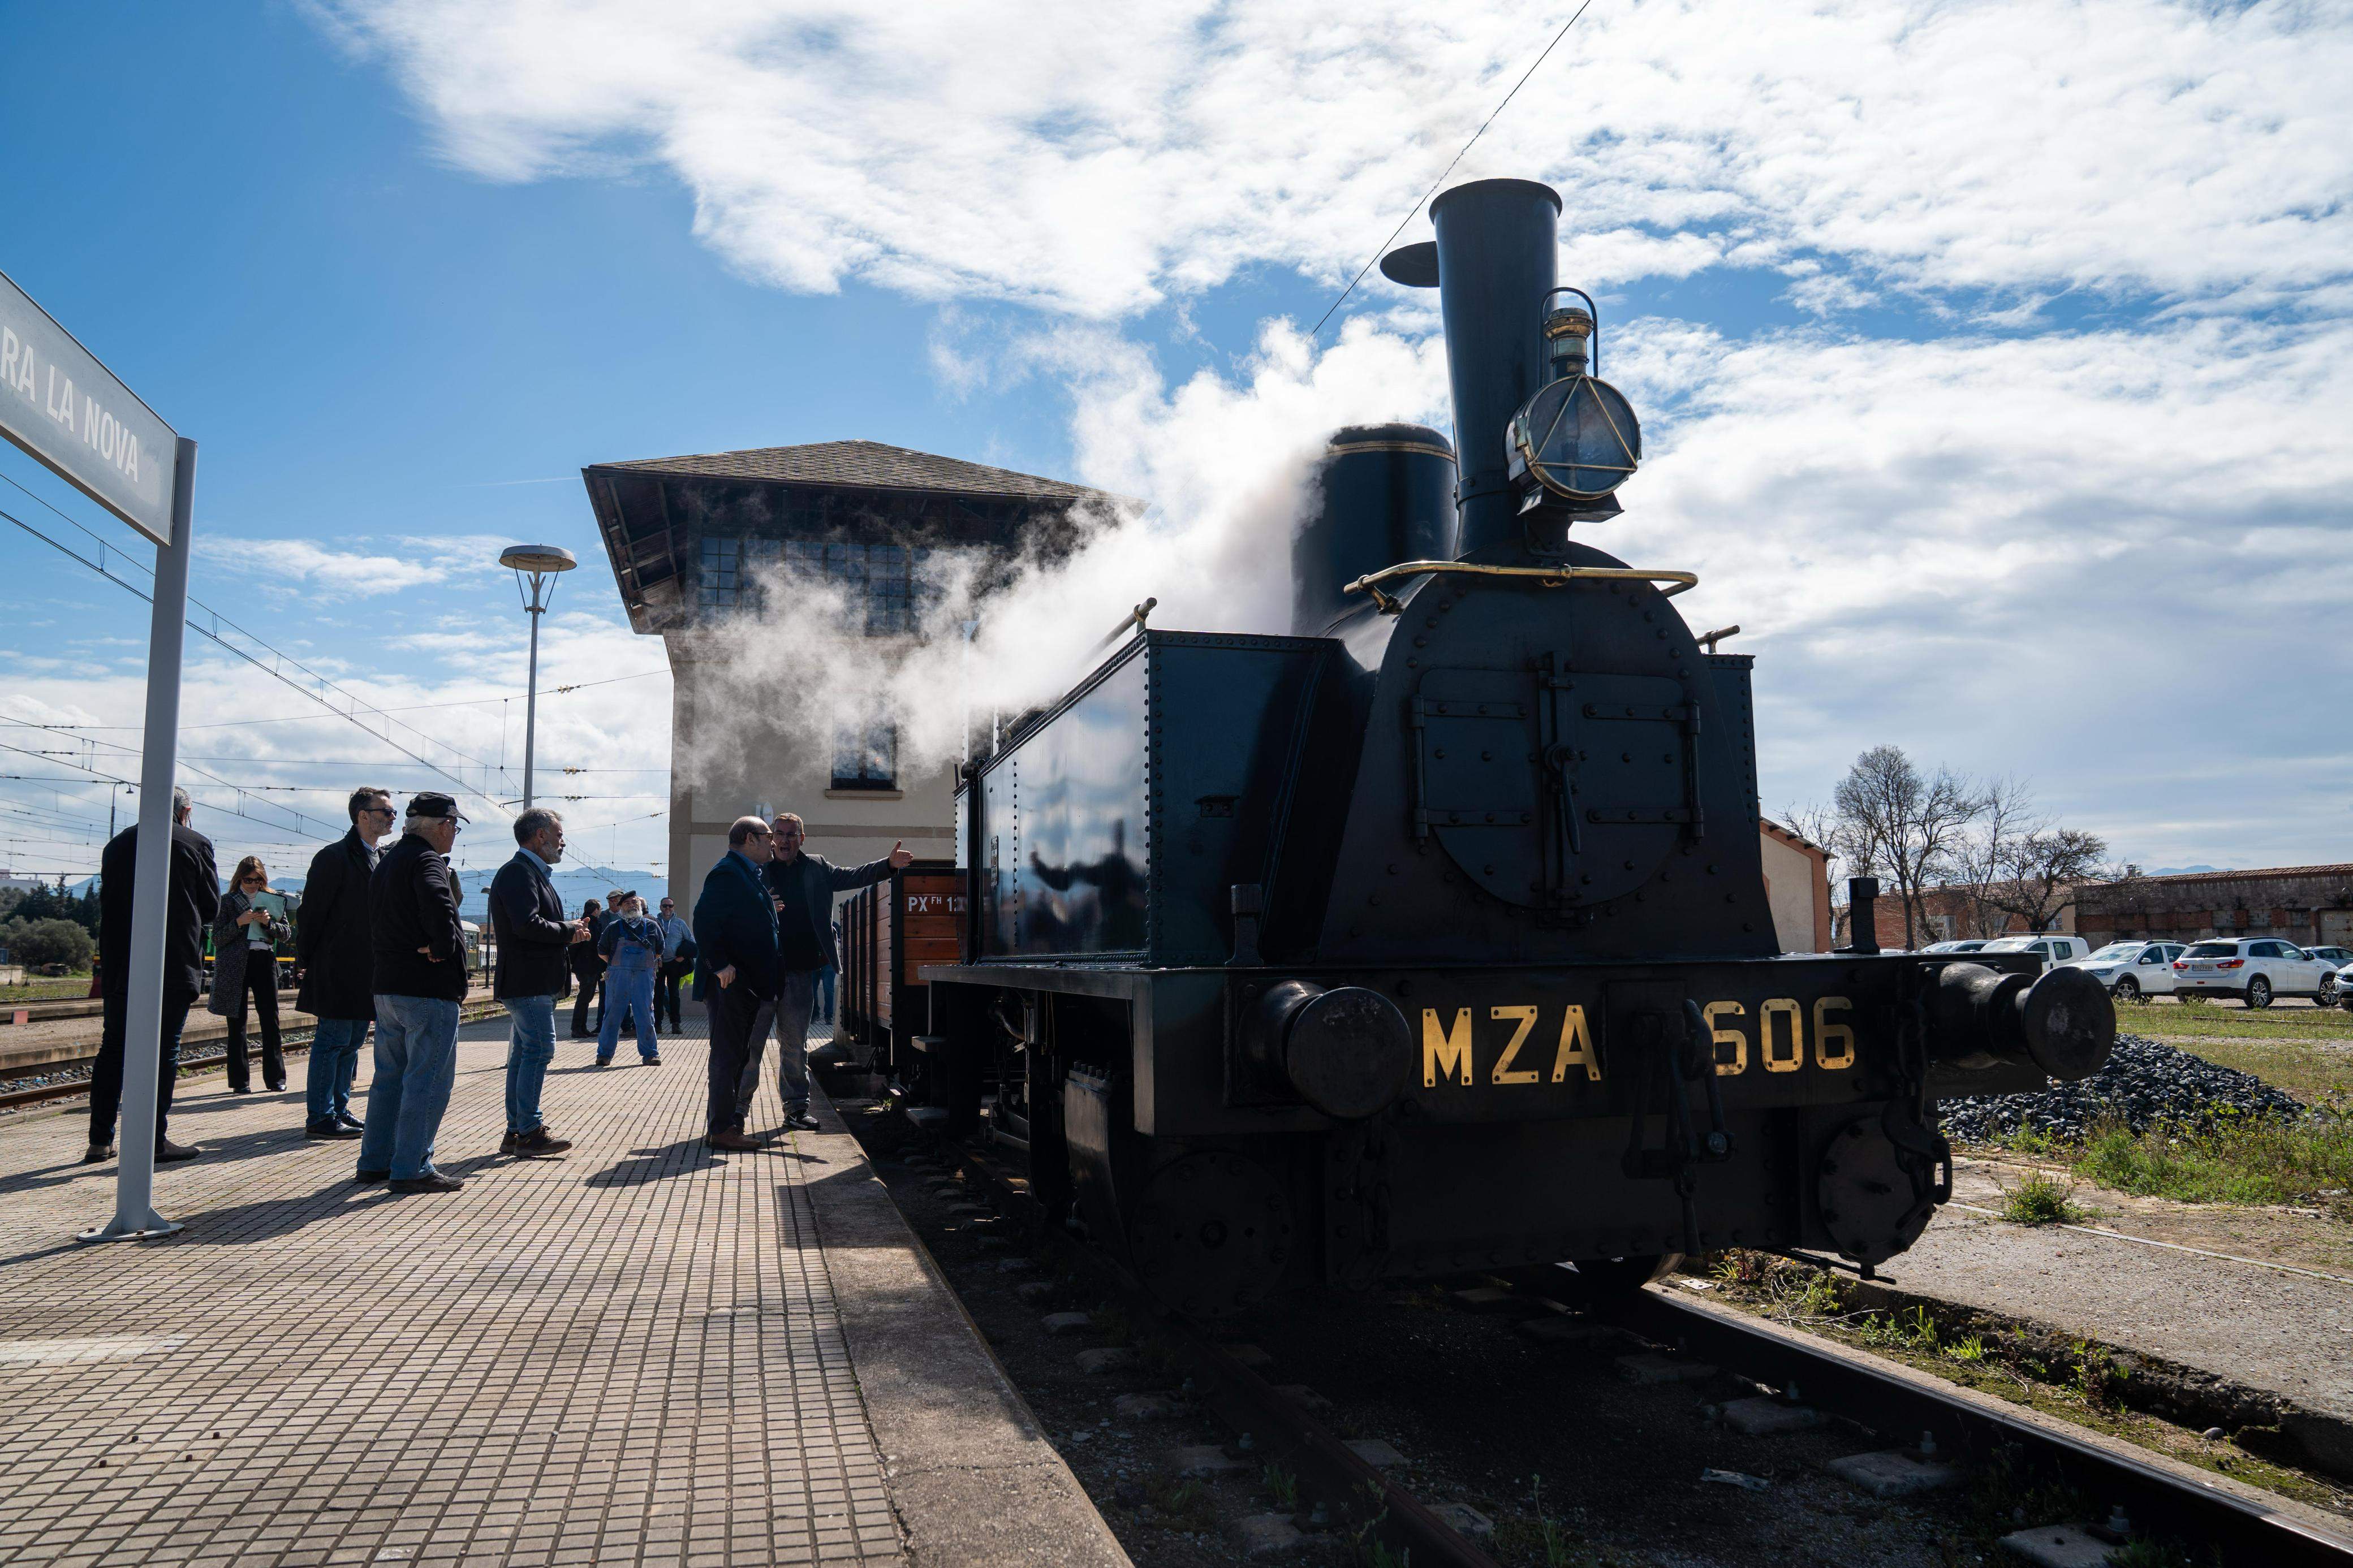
x,y
681,1158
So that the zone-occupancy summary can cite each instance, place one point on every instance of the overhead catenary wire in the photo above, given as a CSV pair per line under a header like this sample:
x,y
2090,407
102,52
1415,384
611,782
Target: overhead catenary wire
x,y
320,685
1382,248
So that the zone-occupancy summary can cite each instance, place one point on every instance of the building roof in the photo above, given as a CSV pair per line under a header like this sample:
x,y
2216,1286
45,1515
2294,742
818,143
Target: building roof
x,y
2264,873
1791,836
862,464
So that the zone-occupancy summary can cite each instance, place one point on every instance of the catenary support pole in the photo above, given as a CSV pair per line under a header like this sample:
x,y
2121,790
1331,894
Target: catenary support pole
x,y
142,1055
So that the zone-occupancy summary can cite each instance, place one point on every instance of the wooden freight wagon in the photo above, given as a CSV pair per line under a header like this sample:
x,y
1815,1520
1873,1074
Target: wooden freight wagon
x,y
888,931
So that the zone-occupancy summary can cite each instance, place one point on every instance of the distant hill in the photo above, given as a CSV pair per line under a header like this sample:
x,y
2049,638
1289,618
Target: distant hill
x,y
2180,870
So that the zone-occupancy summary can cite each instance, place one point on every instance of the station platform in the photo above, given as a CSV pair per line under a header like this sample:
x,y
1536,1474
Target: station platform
x,y
644,1352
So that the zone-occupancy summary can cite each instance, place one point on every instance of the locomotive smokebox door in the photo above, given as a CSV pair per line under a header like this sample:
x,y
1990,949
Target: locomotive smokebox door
x,y
1556,785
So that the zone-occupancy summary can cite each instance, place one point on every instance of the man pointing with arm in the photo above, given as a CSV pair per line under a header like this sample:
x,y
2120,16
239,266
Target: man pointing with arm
x,y
801,886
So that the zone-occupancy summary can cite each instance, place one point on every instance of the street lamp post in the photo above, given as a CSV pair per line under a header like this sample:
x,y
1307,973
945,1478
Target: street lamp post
x,y
535,567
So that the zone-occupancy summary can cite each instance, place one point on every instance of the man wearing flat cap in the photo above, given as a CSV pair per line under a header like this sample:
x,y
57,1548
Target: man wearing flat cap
x,y
420,983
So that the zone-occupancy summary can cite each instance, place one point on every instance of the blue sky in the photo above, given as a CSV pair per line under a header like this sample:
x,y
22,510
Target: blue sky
x,y
1994,356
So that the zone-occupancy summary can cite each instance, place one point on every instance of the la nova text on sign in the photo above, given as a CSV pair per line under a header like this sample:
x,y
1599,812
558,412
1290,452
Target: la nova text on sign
x,y
58,402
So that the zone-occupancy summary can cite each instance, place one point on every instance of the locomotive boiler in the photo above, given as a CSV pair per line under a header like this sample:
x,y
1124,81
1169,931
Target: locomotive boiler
x,y
1433,936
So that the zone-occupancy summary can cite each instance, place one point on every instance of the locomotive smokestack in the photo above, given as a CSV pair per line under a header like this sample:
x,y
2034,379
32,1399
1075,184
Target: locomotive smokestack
x,y
1495,259
1385,494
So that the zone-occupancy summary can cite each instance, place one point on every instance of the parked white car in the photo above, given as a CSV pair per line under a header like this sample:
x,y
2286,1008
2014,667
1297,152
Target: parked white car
x,y
2254,968
1969,944
2344,991
2052,947
2133,970
2339,959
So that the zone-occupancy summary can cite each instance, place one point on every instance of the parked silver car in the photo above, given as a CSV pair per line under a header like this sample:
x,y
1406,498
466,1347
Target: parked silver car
x,y
2133,970
2253,969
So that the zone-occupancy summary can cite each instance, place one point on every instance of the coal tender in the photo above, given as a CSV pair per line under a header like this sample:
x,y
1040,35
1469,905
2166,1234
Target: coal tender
x,y
1433,937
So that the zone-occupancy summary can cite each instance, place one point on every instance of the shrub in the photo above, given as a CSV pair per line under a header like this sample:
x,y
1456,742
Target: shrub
x,y
37,942
2039,1200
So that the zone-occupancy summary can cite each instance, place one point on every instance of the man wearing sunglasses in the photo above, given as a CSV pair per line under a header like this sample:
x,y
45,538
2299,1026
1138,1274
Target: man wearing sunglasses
x,y
333,964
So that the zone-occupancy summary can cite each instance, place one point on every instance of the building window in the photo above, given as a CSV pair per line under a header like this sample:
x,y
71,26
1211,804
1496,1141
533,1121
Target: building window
x,y
883,582
729,566
866,758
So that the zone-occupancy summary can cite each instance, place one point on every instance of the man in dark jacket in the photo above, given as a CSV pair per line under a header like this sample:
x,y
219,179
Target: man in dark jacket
x,y
192,901
333,961
803,887
735,927
534,941
418,964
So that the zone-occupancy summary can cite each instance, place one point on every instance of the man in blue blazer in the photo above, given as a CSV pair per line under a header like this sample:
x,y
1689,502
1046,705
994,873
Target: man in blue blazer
x,y
736,972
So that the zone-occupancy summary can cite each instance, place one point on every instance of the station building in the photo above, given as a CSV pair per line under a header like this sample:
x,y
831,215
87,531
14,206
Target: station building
x,y
2311,906
690,541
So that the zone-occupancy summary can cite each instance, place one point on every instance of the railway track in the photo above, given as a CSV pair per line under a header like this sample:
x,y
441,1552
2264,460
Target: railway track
x,y
2154,1498
293,1041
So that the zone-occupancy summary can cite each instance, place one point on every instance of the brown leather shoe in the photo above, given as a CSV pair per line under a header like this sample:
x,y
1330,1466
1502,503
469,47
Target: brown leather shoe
x,y
539,1143
98,1154
735,1141
167,1152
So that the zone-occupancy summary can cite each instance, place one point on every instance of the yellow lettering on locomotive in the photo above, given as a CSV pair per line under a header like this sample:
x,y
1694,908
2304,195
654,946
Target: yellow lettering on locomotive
x,y
1445,1054
1576,1045
1781,1007
1505,1072
1724,1037
1827,1035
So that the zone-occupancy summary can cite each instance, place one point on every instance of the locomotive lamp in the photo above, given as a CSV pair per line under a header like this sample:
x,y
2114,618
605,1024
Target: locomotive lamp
x,y
1577,439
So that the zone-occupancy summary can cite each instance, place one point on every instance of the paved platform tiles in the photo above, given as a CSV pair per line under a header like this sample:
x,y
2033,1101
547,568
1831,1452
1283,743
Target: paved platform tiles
x,y
643,1354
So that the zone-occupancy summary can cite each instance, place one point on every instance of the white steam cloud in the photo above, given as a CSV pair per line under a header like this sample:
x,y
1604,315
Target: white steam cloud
x,y
1228,465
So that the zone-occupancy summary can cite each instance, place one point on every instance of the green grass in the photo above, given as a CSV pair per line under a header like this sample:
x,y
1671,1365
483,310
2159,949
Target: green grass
x,y
47,988
2246,1160
2217,1020
2039,1200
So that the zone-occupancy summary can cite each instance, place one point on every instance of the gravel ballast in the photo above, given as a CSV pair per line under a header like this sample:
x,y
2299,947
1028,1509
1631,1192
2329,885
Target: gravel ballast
x,y
2144,1083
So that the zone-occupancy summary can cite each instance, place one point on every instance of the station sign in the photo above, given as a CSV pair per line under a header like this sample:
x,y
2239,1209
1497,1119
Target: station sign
x,y
59,403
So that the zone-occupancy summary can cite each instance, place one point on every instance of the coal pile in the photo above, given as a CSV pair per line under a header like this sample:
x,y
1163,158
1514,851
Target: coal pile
x,y
2144,1083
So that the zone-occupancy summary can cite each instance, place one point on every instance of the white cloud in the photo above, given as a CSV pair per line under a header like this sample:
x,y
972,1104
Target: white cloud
x,y
1099,158
1986,547
299,565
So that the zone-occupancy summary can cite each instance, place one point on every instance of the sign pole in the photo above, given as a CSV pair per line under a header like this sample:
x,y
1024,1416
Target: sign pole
x,y
134,1188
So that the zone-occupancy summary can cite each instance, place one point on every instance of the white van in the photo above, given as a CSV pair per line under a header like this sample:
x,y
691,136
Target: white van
x,y
2051,946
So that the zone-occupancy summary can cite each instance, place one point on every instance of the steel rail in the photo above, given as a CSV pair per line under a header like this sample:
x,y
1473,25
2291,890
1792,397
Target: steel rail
x,y
291,1043
2160,1496
1281,1429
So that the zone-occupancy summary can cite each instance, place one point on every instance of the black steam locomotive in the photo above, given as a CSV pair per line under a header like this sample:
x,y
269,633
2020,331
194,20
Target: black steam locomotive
x,y
1434,936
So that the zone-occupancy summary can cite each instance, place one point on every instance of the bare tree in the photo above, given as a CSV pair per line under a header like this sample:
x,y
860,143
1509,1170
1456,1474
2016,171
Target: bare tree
x,y
2040,870
1981,862
1905,827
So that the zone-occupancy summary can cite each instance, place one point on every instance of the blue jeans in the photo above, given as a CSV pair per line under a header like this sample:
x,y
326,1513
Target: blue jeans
x,y
531,1046
629,991
334,1057
416,1065
825,993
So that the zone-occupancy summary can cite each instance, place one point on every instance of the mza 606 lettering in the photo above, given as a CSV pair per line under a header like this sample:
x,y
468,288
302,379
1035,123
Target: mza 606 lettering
x,y
1433,936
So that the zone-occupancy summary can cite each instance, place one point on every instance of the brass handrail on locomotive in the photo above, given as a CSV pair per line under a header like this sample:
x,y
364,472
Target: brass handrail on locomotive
x,y
1543,576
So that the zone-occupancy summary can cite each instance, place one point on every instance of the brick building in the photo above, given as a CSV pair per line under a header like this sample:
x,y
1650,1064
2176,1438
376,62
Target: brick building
x,y
2310,905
